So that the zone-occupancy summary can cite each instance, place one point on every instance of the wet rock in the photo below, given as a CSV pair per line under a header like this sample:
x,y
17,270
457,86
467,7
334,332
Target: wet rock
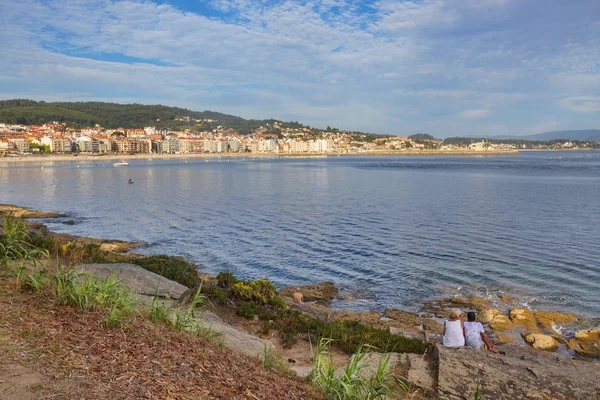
x,y
433,326
588,335
540,341
319,292
505,338
23,212
69,222
364,317
442,313
524,317
506,299
496,319
519,376
407,318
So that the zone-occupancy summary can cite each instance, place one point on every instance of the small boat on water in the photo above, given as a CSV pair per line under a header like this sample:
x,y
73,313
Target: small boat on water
x,y
130,181
121,164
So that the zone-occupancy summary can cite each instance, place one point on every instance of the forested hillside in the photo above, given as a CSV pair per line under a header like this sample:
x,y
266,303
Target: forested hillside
x,y
111,115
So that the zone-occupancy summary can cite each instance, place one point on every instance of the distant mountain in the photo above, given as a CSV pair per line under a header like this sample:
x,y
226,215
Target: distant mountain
x,y
591,135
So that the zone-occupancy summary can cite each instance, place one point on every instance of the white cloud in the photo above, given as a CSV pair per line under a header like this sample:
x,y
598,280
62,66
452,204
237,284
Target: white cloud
x,y
582,104
474,114
437,64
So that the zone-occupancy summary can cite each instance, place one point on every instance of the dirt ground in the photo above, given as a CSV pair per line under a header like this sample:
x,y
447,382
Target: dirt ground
x,y
57,352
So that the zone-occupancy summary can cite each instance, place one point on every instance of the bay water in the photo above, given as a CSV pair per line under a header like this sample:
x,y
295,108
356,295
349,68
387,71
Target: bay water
x,y
391,231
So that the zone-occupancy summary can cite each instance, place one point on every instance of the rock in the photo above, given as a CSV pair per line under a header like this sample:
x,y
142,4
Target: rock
x,y
550,319
521,316
419,371
589,336
478,303
371,361
232,337
505,338
301,371
588,350
136,278
488,315
407,318
69,222
541,342
401,329
318,292
433,326
506,299
313,310
507,377
117,246
442,313
317,311
496,319
23,212
365,317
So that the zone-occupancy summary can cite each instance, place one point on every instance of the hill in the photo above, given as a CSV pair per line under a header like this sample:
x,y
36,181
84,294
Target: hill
x,y
112,115
592,135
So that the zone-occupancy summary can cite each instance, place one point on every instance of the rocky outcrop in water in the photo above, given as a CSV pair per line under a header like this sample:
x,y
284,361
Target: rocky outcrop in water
x,y
324,292
23,212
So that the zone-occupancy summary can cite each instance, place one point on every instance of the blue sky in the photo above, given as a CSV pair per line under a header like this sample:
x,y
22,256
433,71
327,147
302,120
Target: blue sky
x,y
445,67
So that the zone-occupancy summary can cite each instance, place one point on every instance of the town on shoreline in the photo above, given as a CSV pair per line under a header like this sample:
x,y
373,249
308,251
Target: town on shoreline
x,y
62,142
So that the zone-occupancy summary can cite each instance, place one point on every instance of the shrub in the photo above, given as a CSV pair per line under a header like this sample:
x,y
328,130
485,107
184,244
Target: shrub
x,y
226,280
173,268
246,310
260,291
214,293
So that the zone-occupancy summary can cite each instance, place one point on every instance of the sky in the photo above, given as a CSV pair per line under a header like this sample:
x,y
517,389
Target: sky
x,y
444,67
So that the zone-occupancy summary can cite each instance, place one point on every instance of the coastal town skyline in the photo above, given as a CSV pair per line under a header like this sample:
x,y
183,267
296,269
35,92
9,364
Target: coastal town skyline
x,y
488,67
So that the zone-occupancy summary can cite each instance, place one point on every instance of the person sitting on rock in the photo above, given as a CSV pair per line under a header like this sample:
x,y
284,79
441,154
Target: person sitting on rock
x,y
298,297
454,330
475,335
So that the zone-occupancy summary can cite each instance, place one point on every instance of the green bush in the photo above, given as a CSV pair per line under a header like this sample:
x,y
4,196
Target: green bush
x,y
260,291
214,293
246,310
226,280
173,268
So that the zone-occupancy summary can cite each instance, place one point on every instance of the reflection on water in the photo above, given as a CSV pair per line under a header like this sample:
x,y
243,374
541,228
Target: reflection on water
x,y
391,229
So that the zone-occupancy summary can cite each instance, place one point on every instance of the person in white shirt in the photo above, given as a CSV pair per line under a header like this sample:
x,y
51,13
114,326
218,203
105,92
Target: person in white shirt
x,y
454,330
475,336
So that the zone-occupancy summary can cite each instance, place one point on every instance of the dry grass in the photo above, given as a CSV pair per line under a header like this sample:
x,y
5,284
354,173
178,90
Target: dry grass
x,y
79,357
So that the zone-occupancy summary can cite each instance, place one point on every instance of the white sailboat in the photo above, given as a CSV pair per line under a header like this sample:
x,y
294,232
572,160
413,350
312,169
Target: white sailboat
x,y
121,163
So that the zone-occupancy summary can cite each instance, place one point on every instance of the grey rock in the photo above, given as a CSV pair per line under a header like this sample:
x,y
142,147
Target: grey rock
x,y
232,337
405,317
520,376
138,279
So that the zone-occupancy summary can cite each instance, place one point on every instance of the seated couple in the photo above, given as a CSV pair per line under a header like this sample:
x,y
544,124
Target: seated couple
x,y
470,333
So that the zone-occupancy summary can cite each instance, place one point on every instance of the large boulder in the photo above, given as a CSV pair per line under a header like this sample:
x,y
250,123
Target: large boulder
x,y
589,336
401,329
520,375
319,292
364,317
496,319
431,325
404,317
313,310
136,278
541,342
524,317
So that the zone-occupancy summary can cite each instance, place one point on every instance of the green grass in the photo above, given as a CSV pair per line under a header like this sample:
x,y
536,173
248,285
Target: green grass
x,y
89,293
350,383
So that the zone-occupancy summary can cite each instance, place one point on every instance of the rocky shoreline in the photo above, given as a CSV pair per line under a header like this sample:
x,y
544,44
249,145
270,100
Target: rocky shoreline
x,y
516,326
566,333
534,343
